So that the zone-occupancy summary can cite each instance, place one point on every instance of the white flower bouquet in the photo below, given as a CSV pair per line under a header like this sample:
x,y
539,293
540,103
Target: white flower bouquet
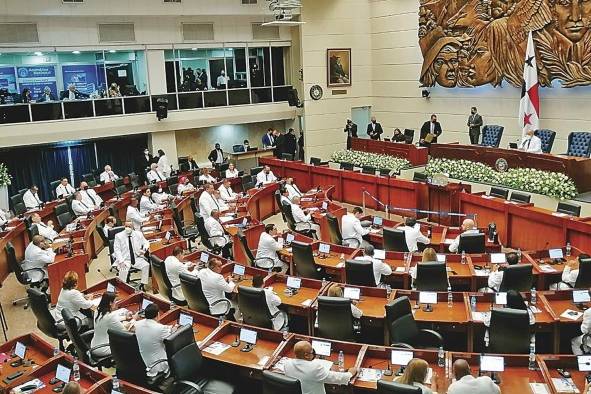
x,y
378,161
5,178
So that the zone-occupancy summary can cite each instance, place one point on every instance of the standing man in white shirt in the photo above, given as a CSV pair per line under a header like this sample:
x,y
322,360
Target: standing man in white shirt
x,y
215,287
292,188
129,249
352,228
312,373
155,174
150,339
226,191
268,248
266,176
79,207
89,196
45,230
303,218
108,175
207,201
134,215
64,189
468,227
174,266
218,235
467,384
273,301
216,156
531,143
413,235
31,198
38,254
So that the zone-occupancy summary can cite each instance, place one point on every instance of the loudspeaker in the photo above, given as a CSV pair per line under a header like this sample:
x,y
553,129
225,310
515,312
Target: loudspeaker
x,y
162,108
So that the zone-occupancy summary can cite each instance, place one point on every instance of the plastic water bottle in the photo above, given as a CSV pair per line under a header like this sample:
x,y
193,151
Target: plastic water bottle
x,y
473,303
441,357
463,257
172,305
324,282
341,361
519,255
76,371
388,290
534,296
56,351
568,249
450,297
285,334
116,383
405,256
220,320
532,356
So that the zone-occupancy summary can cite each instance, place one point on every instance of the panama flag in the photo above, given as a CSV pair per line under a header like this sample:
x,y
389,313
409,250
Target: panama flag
x,y
529,106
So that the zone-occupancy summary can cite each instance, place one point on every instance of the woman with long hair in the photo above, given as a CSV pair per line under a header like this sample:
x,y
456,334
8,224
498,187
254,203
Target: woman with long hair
x,y
105,318
72,299
415,374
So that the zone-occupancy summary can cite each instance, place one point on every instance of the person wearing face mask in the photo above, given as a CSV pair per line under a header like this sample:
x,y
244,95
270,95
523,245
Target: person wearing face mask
x,y
144,161
129,250
313,373
184,185
89,196
79,207
246,145
474,125
430,131
108,175
374,129
222,80
146,204
155,175
134,215
159,196
351,130
38,254
163,164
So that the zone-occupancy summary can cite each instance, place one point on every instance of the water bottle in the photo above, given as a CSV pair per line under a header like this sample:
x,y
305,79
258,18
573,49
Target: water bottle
x,y
532,356
76,371
450,297
388,290
568,249
534,296
56,352
473,303
220,320
441,357
324,282
463,257
341,361
519,255
285,334
116,383
405,256
172,305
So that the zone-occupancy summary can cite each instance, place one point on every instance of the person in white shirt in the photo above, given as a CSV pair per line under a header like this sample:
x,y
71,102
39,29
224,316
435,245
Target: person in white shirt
x,y
226,191
159,196
205,177
110,222
303,218
285,200
570,273
89,196
266,176
146,204
429,256
352,228
184,185
31,198
79,207
531,143
207,201
72,299
218,235
108,175
174,266
312,373
576,342
336,290
465,383
45,230
380,269
163,164
215,287
134,215
267,250
415,374
292,188
105,318
3,217
222,80
155,174
129,249
64,189
38,254
495,278
220,201
413,235
468,227
150,339
231,172
514,301
273,301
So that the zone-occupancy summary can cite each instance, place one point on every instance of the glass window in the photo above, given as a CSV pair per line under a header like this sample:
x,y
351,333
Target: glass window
x,y
259,61
126,73
236,68
280,60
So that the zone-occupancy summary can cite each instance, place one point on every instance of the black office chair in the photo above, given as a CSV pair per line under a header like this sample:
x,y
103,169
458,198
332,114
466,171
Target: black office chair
x,y
409,135
45,320
315,161
129,363
431,276
68,199
113,212
237,148
134,181
196,300
255,170
472,243
206,240
173,189
274,383
186,365
569,209
520,197
287,156
247,182
394,240
64,219
19,209
385,171
335,320
492,135
100,229
368,170
120,190
517,277
171,180
261,262
346,166
189,233
547,137
335,233
81,342
32,230
499,192
52,186
403,328
419,177
292,224
60,208
303,261
22,191
584,277
390,387
89,179
165,288
34,277
252,303
119,182
509,331
579,144
360,273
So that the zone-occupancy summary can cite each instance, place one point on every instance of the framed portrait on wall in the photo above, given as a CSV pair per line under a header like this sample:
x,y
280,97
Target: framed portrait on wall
x,y
339,67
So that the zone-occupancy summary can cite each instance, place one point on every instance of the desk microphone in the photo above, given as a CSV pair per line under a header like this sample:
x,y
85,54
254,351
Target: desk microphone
x,y
387,372
236,342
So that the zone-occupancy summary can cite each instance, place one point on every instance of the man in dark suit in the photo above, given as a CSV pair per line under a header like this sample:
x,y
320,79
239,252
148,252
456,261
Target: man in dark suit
x,y
290,145
430,131
216,156
268,139
374,129
143,163
46,96
351,130
474,124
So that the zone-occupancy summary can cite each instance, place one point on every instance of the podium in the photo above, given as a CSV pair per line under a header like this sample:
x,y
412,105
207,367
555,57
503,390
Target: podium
x,y
446,199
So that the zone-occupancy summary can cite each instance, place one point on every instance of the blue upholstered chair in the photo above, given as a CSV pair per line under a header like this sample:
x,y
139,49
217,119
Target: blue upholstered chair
x,y
579,144
238,148
547,136
491,135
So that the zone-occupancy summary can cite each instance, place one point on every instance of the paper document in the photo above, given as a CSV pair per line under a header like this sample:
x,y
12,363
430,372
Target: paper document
x,y
564,385
216,348
572,315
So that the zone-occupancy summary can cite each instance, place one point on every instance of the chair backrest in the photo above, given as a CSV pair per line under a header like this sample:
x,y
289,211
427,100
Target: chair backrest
x,y
19,208
17,198
205,240
101,231
119,182
315,161
288,214
360,273
368,170
419,177
520,197
60,208
584,276
222,168
303,260
171,180
40,306
499,192
159,272
274,383
90,179
243,244
397,308
255,170
173,189
277,196
431,276
409,135
32,231
193,292
346,166
399,316
22,191
335,320
73,332
114,231
184,357
52,186
472,243
64,219
509,331
287,156
120,190
569,209
579,144
113,212
395,240
184,166
491,135
69,198
125,351
134,180
390,387
237,148
14,265
517,277
334,230
253,306
547,137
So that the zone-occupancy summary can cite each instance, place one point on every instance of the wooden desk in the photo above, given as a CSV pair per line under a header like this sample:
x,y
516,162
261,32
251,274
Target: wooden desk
x,y
550,271
446,199
250,159
123,290
106,386
558,302
133,303
61,265
417,156
549,365
38,351
261,202
203,325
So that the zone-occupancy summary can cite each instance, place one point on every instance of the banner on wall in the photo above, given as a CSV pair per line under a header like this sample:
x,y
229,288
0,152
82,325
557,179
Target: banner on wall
x,y
8,79
37,87
36,78
83,76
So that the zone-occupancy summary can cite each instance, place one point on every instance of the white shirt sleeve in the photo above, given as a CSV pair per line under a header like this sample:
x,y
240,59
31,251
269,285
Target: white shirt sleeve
x,y
356,312
569,275
79,301
586,325
359,229
455,245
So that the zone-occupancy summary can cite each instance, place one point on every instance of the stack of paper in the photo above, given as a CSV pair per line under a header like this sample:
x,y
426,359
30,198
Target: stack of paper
x,y
572,315
369,375
539,388
216,348
564,385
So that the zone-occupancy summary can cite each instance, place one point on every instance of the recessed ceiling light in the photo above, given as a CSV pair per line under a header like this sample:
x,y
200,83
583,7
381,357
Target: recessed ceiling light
x,y
112,51
76,52
39,53
193,49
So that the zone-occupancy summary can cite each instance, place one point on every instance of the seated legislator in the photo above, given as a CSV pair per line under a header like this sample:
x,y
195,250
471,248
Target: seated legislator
x,y
147,205
129,250
155,174
429,256
570,273
380,269
215,286
313,373
89,196
207,201
216,156
285,200
352,227
38,254
79,207
134,215
161,197
218,235
267,250
514,301
184,185
108,175
430,131
415,374
413,235
226,192
64,189
266,176
72,299
3,217
302,217
292,188
465,383
531,143
223,206
495,278
31,198
273,301
174,266
205,176
231,172
468,227
106,317
45,230
110,222
150,339
577,342
336,290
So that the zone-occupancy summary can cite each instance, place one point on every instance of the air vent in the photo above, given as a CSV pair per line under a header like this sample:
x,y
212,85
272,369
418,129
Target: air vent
x,y
249,1
264,32
197,31
13,33
116,32
173,1
72,1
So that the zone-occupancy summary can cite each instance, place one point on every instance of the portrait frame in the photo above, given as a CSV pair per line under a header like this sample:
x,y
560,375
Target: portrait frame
x,y
338,75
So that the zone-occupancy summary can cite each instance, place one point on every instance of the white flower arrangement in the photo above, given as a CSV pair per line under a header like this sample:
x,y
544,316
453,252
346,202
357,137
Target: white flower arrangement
x,y
378,161
5,178
552,184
